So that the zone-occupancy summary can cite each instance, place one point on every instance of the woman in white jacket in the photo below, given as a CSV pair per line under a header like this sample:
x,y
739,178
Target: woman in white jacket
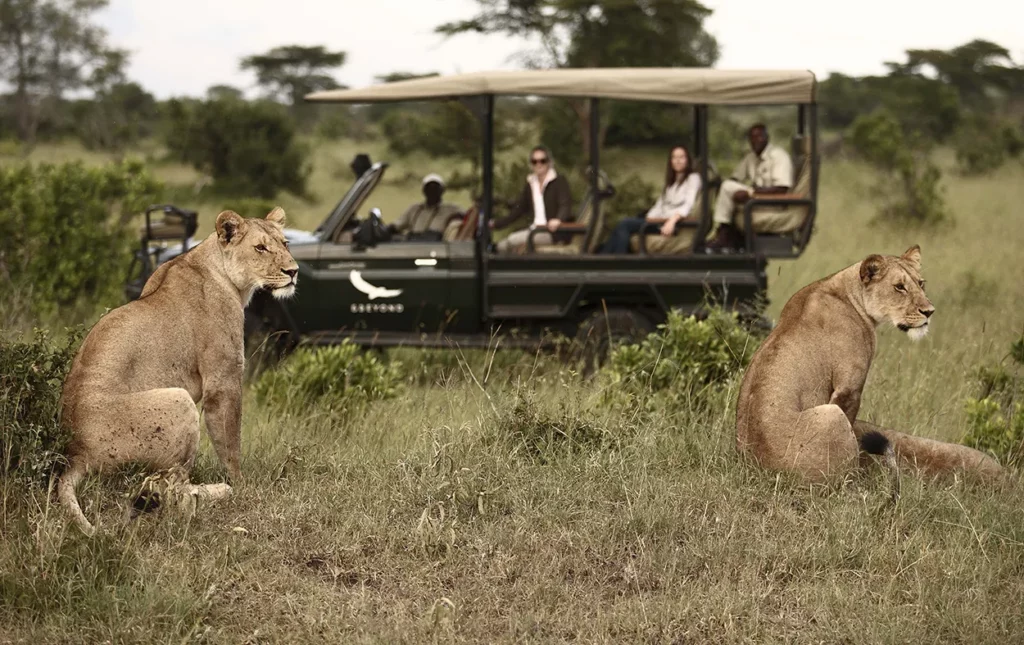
x,y
675,203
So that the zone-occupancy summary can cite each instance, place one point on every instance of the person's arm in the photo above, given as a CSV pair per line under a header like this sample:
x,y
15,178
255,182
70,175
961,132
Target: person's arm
x,y
564,212
690,189
404,222
657,212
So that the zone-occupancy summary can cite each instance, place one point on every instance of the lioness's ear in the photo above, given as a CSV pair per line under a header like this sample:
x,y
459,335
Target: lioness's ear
x,y
871,267
276,216
913,256
228,223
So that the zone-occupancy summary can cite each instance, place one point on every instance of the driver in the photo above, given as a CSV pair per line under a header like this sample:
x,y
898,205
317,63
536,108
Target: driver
x,y
431,215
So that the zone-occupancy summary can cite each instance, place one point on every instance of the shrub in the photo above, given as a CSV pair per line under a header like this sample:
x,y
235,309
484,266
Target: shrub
x,y
525,430
31,378
64,237
995,418
982,146
339,378
249,148
632,195
683,362
909,185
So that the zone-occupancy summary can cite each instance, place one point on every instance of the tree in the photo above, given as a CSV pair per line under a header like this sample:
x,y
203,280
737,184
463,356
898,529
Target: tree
x,y
249,148
220,92
599,33
974,69
48,47
289,73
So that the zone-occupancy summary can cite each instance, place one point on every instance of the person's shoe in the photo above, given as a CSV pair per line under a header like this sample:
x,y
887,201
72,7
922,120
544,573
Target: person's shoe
x,y
724,241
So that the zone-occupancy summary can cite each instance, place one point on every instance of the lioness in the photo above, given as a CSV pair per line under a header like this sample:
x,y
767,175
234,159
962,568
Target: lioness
x,y
799,398
133,386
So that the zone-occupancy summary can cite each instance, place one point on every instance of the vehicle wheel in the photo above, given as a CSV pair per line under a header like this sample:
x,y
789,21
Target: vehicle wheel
x,y
599,332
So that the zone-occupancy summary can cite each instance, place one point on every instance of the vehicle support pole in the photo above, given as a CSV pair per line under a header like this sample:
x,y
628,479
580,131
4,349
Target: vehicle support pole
x,y
487,201
701,114
595,168
813,208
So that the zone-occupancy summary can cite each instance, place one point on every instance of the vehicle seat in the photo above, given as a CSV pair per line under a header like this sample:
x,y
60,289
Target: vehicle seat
x,y
461,228
681,242
781,243
578,241
171,227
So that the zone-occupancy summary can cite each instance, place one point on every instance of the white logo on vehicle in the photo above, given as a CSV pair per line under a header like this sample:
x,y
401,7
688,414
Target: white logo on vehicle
x,y
371,291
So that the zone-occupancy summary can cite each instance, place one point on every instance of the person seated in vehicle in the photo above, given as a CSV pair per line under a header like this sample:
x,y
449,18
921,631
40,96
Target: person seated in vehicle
x,y
545,196
675,203
427,219
766,170
360,164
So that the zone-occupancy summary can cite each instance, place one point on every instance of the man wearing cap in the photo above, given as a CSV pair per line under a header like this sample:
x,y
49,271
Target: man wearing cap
x,y
431,215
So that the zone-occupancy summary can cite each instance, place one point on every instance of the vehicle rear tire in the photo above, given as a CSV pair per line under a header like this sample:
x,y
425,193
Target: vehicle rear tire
x,y
600,331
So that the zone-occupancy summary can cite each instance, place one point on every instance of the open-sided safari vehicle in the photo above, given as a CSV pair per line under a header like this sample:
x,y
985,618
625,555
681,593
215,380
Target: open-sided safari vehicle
x,y
381,291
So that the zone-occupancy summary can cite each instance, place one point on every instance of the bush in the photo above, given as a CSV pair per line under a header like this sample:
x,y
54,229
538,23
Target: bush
x,y
982,146
249,148
31,378
632,195
525,430
910,183
339,378
684,361
64,238
995,418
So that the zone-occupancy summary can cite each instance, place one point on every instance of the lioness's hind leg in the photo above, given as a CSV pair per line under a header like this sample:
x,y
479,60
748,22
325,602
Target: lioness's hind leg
x,y
158,428
820,443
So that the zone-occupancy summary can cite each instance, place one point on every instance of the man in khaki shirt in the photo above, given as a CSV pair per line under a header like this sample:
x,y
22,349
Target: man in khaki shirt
x,y
429,216
767,169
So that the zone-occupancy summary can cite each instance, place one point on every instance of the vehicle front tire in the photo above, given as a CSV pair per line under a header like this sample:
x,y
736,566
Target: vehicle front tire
x,y
599,332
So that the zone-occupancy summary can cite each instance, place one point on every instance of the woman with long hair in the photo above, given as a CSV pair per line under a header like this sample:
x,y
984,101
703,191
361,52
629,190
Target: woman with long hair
x,y
676,201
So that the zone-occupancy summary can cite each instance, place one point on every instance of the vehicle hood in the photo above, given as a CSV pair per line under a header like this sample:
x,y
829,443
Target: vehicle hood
x,y
299,236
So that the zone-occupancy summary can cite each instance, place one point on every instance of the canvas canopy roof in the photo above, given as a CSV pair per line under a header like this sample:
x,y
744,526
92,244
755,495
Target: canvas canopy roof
x,y
669,84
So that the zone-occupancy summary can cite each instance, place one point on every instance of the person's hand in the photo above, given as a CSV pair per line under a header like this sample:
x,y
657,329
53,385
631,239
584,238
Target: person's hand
x,y
553,224
669,227
490,223
740,196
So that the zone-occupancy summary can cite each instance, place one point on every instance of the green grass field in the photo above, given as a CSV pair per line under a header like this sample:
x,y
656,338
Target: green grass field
x,y
421,519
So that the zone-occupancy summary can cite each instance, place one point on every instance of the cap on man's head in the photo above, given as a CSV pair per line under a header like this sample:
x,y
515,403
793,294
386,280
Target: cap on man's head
x,y
433,177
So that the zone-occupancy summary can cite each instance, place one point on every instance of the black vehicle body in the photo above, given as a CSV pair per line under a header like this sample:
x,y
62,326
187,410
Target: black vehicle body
x,y
438,293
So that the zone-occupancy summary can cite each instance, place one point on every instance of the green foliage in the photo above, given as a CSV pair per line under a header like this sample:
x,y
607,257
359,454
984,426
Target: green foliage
x,y
32,374
290,72
64,238
632,195
684,362
995,417
910,184
984,144
116,118
248,148
337,378
539,435
250,206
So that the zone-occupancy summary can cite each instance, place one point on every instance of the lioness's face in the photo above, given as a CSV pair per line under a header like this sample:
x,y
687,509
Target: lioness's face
x,y
894,291
256,253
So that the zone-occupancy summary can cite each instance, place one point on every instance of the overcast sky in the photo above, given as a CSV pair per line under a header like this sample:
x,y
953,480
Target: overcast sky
x,y
185,46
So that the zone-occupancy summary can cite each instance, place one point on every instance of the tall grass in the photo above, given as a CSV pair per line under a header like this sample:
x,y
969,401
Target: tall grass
x,y
517,507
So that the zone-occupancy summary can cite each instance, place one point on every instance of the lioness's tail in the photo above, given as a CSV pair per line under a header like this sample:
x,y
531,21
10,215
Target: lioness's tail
x,y
930,456
66,485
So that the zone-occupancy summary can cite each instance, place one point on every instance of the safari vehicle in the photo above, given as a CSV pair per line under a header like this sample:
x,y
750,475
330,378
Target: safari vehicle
x,y
457,290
